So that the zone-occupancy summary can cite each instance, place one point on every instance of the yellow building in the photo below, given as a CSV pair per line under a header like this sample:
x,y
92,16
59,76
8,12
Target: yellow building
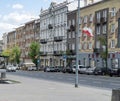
x,y
104,19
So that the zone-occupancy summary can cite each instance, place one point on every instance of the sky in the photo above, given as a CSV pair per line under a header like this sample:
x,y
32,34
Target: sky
x,y
14,13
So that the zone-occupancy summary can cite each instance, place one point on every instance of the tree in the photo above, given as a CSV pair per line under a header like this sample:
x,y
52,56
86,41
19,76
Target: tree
x,y
6,52
15,55
104,53
34,52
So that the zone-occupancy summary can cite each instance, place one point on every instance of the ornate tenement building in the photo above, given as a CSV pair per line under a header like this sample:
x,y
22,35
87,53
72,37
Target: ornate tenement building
x,y
11,39
53,22
71,37
23,36
104,19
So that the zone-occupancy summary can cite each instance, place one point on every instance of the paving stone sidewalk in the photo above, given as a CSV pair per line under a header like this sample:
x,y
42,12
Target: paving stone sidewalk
x,y
31,89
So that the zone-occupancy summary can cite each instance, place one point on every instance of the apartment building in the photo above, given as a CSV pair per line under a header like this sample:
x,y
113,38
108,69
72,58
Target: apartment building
x,y
71,37
53,22
11,39
4,38
20,41
104,19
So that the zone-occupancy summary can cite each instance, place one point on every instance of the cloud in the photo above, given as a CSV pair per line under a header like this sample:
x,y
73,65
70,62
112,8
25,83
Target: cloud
x,y
17,6
17,17
5,27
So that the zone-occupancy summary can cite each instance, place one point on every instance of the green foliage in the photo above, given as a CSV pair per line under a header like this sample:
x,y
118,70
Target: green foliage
x,y
34,51
6,52
15,54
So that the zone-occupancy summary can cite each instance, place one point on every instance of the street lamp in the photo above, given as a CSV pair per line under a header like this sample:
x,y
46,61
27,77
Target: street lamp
x,y
77,41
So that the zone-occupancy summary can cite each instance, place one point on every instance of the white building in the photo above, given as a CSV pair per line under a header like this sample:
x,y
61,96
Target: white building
x,y
53,22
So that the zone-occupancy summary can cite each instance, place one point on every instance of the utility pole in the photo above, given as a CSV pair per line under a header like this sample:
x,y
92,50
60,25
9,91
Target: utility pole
x,y
77,41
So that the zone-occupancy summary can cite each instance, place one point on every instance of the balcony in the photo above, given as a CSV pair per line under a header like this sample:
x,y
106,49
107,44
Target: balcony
x,y
50,26
43,53
72,27
58,38
70,52
58,53
103,20
43,41
97,50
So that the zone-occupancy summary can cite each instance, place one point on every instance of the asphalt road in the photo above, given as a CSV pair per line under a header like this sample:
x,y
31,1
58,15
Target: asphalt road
x,y
103,82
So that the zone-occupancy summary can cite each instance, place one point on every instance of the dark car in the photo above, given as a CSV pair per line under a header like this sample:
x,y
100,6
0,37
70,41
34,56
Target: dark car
x,y
67,70
101,71
59,68
115,72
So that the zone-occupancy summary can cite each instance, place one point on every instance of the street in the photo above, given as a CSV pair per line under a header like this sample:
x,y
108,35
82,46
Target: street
x,y
102,82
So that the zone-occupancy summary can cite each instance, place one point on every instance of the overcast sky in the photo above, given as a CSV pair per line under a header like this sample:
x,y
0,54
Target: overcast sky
x,y
13,13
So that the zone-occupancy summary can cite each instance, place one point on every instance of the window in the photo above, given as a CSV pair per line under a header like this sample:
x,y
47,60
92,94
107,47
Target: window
x,y
80,20
98,44
90,45
73,46
104,27
85,46
98,17
85,19
69,35
73,34
69,23
113,12
105,13
113,44
73,21
91,18
112,28
98,30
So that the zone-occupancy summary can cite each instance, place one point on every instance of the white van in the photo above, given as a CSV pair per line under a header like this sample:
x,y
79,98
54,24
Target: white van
x,y
27,66
81,68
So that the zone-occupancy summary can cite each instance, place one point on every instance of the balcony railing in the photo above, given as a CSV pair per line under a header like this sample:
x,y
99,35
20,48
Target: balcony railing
x,y
58,38
71,52
43,53
97,50
50,26
58,53
71,28
43,41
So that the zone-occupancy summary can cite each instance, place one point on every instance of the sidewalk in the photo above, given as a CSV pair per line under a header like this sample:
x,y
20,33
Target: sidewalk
x,y
40,90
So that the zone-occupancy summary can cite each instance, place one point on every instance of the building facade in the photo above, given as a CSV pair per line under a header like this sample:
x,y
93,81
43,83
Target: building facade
x,y
4,38
53,22
103,18
71,37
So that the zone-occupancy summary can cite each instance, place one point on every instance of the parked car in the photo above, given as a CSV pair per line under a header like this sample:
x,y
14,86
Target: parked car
x,y
49,69
59,68
115,72
90,70
81,69
32,68
101,71
10,68
67,69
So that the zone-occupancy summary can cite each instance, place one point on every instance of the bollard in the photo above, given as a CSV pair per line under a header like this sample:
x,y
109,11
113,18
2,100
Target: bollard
x,y
3,75
116,94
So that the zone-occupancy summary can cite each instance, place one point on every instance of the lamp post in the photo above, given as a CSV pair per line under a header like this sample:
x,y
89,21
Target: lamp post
x,y
77,41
